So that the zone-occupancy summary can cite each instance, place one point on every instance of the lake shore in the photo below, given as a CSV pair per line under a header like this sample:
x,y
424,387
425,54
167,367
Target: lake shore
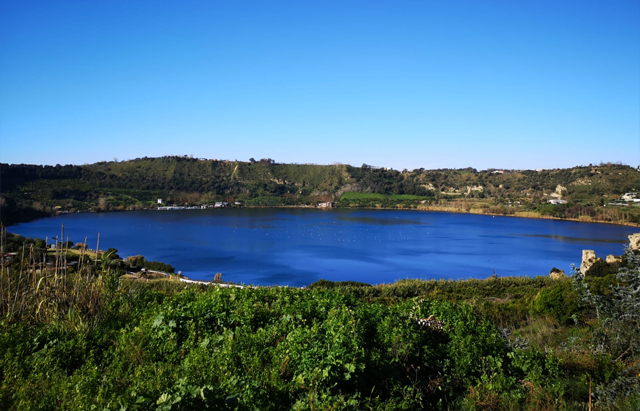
x,y
421,207
526,214
456,210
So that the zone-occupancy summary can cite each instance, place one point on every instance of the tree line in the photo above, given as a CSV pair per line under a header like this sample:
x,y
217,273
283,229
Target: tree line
x,y
30,190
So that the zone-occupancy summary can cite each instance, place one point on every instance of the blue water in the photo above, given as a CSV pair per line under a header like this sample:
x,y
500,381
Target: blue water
x,y
299,246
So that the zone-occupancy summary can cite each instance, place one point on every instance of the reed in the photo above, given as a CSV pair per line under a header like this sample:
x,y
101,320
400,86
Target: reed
x,y
38,287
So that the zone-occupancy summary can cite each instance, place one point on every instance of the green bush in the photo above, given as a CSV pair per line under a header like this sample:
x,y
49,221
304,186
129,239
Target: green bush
x,y
559,301
325,284
253,348
601,269
159,266
602,285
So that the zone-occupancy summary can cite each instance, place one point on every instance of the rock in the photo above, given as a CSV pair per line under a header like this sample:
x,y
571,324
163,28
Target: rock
x,y
588,259
556,273
613,259
558,192
429,186
634,241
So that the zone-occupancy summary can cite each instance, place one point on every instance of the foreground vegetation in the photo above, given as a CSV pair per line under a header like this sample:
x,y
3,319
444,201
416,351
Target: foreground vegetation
x,y
88,339
33,191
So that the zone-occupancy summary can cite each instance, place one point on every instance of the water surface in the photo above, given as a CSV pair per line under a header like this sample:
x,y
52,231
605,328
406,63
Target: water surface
x,y
299,246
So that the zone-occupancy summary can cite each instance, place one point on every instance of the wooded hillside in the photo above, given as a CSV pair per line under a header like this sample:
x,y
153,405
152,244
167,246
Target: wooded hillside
x,y
32,191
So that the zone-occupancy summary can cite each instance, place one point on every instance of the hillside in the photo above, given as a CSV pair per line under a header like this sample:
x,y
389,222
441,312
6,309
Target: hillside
x,y
32,191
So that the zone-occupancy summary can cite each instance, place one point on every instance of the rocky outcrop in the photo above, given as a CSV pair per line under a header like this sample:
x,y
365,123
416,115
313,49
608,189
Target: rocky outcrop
x,y
429,186
582,182
556,273
588,259
613,259
473,188
558,192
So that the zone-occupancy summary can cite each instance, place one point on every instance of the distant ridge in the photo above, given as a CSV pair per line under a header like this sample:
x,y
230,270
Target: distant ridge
x,y
33,191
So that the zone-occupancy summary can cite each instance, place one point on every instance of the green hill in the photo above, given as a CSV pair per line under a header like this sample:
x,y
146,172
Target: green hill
x,y
32,191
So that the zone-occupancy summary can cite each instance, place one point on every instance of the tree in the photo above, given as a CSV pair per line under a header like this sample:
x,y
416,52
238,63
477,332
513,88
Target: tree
x,y
111,254
616,332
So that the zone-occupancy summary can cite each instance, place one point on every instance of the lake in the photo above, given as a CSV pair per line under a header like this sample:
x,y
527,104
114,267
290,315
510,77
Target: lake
x,y
299,246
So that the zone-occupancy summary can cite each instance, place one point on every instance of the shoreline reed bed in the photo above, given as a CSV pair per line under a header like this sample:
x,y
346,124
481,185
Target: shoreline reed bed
x,y
40,289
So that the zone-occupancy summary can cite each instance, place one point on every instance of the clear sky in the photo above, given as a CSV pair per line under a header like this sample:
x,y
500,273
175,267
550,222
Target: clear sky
x,y
403,84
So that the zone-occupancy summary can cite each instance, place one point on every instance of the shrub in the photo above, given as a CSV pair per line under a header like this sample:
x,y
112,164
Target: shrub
x,y
616,332
601,269
159,266
325,284
559,301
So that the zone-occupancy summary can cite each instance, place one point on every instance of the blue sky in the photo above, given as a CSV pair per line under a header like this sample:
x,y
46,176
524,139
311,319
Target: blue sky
x,y
403,84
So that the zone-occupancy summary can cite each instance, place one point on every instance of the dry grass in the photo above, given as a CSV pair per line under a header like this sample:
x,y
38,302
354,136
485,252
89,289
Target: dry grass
x,y
42,288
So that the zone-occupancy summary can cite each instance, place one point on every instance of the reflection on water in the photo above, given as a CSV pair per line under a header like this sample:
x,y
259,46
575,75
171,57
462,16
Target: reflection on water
x,y
579,239
300,246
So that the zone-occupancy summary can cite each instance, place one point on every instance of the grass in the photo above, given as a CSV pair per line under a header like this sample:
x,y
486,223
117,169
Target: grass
x,y
88,253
